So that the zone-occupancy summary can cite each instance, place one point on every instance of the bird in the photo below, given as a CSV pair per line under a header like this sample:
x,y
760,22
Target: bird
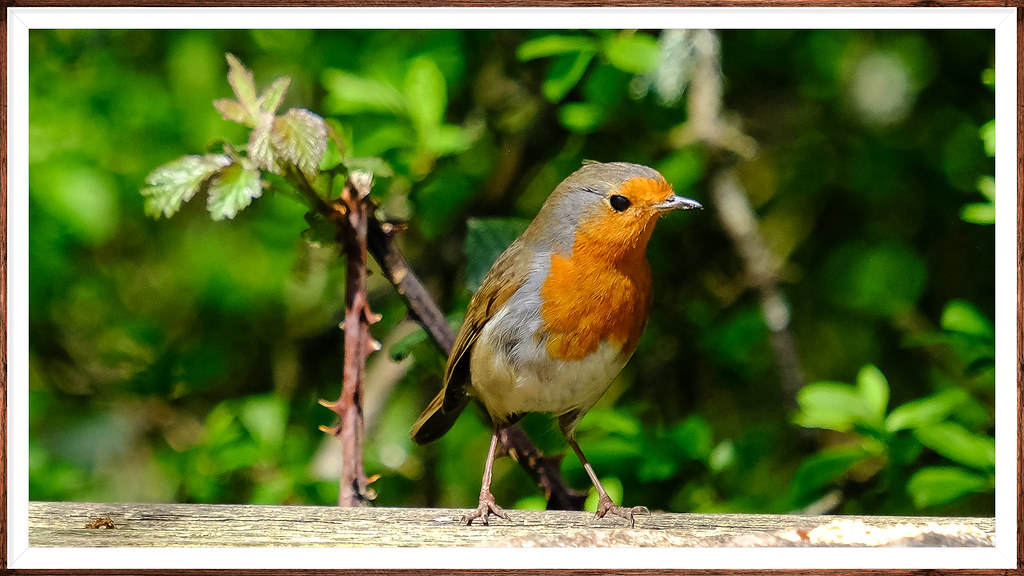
x,y
558,315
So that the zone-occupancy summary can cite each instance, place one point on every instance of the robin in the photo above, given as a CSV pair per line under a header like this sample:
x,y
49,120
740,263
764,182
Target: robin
x,y
559,314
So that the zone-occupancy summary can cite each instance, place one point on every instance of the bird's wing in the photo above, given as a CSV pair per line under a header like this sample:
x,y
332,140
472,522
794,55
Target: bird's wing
x,y
506,276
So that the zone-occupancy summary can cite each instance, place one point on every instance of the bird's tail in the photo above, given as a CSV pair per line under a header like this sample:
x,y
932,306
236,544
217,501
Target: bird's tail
x,y
437,419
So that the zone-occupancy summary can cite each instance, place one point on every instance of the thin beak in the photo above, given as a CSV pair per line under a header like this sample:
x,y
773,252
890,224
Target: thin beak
x,y
677,203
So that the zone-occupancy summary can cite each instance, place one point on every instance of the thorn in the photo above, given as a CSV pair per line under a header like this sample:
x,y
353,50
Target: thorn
x,y
328,404
375,345
372,318
332,430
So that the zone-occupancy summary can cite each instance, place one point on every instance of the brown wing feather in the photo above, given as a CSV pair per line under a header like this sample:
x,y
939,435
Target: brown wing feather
x,y
505,277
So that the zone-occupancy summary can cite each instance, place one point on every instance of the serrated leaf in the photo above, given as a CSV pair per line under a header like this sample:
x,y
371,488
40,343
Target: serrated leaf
x,y
633,53
941,484
232,111
231,190
260,149
486,239
300,137
874,390
959,444
565,73
554,45
926,411
242,84
272,97
177,181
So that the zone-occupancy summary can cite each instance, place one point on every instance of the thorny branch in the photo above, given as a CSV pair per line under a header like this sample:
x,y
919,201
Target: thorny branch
x,y
350,212
378,238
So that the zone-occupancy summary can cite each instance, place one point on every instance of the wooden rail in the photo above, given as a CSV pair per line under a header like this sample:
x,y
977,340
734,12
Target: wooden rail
x,y
76,524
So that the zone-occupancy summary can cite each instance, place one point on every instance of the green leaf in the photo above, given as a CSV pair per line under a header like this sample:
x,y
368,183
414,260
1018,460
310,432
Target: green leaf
x,y
348,93
448,139
565,73
426,95
820,469
300,137
581,117
242,84
321,231
633,53
987,132
723,456
486,239
959,444
553,45
987,187
272,97
400,350
265,418
874,390
941,484
979,213
616,422
232,190
926,411
964,317
176,182
693,437
831,405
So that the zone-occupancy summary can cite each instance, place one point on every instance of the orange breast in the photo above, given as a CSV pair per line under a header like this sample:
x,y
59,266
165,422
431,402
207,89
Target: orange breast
x,y
587,299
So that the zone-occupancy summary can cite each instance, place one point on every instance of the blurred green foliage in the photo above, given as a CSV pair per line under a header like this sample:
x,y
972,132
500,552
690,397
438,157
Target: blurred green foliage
x,y
182,359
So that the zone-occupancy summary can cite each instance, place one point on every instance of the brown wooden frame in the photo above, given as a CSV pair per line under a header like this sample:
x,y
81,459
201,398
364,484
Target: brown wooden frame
x,y
1018,4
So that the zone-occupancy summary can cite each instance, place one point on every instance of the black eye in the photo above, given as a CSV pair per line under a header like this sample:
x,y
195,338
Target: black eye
x,y
619,203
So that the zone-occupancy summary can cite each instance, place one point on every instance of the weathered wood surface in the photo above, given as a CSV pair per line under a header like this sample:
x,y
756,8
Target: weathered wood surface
x,y
74,524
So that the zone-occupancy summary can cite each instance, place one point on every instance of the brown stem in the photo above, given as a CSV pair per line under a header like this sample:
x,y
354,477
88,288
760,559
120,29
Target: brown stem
x,y
350,214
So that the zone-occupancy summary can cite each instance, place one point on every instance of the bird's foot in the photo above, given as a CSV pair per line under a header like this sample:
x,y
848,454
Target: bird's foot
x,y
605,505
484,510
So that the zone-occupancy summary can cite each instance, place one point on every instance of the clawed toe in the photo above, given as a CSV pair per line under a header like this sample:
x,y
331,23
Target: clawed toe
x,y
484,511
605,505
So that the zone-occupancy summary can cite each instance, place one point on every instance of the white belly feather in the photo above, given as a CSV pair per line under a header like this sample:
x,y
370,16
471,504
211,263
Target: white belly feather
x,y
512,373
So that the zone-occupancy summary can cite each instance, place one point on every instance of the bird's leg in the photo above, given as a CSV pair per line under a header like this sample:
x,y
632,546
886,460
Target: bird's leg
x,y
604,503
487,505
